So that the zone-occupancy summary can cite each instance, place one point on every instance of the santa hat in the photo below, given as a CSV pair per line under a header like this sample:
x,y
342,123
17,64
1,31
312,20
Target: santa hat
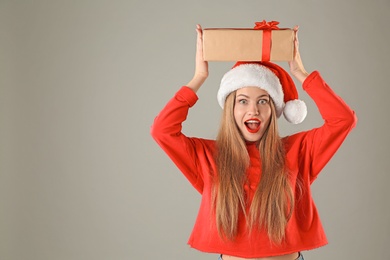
x,y
271,78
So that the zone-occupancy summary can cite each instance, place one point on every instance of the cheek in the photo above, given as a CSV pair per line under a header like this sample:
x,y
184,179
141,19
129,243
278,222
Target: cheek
x,y
267,114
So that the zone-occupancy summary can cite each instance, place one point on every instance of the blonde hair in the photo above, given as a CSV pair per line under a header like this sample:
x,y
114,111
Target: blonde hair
x,y
273,201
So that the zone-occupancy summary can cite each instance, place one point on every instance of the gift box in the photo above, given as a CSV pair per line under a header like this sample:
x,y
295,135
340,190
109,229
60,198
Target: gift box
x,y
265,42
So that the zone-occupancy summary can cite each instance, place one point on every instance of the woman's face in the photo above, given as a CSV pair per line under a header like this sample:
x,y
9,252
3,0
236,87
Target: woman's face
x,y
252,112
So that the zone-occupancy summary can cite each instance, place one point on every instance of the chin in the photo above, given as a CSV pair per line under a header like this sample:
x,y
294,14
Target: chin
x,y
252,138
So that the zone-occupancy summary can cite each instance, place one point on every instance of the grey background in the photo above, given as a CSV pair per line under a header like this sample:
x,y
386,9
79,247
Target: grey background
x,y
80,84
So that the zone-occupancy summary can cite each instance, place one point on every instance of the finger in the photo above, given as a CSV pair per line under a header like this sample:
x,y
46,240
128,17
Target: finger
x,y
199,38
296,29
199,28
296,41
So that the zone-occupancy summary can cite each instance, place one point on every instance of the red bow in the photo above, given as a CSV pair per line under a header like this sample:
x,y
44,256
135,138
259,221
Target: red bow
x,y
273,25
267,28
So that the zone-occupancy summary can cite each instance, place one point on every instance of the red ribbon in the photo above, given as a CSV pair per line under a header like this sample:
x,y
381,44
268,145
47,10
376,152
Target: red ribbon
x,y
267,28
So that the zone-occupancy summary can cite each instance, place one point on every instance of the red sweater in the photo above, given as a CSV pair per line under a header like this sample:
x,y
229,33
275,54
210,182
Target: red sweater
x,y
306,154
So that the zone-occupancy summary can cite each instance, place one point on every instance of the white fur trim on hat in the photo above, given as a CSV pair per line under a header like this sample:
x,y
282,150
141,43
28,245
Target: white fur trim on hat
x,y
252,75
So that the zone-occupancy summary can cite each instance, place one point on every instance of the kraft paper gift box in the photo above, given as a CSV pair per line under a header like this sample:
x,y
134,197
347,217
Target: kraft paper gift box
x,y
223,44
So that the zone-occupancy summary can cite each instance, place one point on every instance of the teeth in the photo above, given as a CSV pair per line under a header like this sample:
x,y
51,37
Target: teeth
x,y
252,121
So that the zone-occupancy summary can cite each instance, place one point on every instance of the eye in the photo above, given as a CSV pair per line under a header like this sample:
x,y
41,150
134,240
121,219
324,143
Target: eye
x,y
263,101
242,101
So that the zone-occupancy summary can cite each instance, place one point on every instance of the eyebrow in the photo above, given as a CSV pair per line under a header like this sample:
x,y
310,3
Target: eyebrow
x,y
264,95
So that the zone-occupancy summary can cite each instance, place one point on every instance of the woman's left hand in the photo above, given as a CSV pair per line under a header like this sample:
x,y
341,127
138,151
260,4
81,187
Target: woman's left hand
x,y
296,65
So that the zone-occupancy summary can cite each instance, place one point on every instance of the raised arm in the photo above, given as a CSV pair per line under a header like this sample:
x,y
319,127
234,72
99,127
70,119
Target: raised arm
x,y
201,66
167,126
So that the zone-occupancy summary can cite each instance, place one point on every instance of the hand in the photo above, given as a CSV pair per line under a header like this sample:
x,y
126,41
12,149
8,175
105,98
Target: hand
x,y
201,66
296,65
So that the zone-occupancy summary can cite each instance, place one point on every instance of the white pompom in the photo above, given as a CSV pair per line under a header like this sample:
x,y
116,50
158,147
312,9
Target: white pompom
x,y
295,111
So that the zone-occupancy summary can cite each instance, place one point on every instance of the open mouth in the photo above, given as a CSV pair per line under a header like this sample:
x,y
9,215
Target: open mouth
x,y
252,125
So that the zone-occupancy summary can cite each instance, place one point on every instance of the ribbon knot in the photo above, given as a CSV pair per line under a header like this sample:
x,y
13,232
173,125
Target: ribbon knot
x,y
267,28
273,25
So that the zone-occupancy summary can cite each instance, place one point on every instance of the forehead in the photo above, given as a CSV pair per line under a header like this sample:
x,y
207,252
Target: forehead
x,y
251,91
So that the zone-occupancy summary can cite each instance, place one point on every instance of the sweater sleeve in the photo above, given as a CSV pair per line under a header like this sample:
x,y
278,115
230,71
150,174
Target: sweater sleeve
x,y
167,132
323,142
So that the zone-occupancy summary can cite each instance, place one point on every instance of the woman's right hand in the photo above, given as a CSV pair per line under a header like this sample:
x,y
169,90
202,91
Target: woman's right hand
x,y
201,66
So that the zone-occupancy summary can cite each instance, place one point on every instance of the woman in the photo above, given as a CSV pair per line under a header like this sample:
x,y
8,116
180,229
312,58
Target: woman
x,y
255,186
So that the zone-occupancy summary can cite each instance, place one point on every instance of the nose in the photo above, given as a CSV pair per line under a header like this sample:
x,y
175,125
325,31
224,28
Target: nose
x,y
253,109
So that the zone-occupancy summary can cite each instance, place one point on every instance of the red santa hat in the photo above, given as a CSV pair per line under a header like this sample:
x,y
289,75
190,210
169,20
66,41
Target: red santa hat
x,y
271,78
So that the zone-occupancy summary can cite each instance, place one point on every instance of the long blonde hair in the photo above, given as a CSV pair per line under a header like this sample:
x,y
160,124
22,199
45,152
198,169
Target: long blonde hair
x,y
273,200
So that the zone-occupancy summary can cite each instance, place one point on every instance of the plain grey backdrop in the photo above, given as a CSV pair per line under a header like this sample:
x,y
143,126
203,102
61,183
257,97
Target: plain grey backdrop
x,y
80,85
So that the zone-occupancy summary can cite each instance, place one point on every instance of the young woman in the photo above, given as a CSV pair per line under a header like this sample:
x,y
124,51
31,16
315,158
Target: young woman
x,y
255,186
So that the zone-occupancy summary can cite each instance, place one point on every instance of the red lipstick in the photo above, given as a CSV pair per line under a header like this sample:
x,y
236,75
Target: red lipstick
x,y
253,125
